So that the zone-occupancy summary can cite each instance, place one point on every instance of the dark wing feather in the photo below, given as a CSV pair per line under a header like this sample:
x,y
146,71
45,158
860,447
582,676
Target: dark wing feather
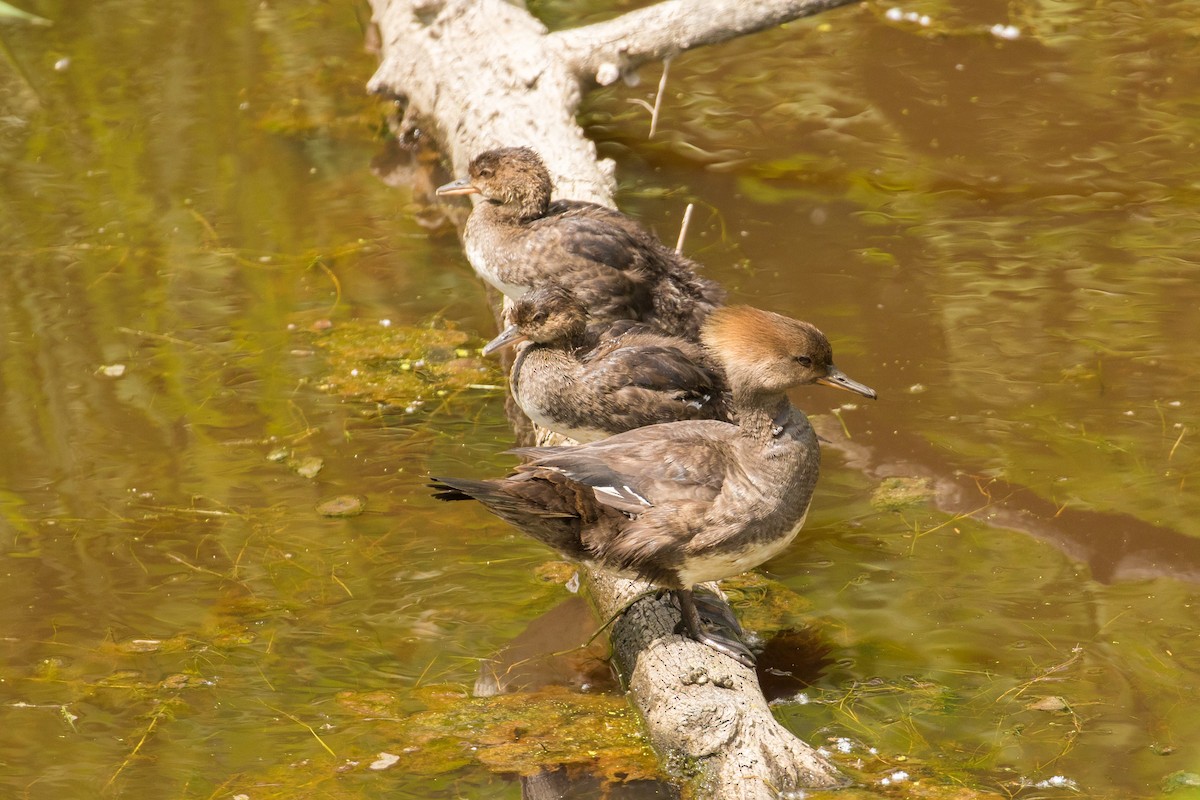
x,y
598,235
610,294
611,488
658,464
545,504
663,369
676,298
603,215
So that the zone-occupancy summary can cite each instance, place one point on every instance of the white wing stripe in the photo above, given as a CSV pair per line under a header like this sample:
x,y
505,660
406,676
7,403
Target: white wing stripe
x,y
622,493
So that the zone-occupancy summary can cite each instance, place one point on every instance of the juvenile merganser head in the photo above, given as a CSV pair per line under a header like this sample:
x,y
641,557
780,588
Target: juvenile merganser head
x,y
767,353
509,176
545,315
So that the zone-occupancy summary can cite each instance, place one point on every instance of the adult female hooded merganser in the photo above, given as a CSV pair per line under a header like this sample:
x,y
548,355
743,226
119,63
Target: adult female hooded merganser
x,y
516,239
682,503
588,383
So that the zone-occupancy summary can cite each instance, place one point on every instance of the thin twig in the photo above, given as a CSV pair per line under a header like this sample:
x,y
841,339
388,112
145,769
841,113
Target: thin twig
x,y
160,336
302,723
424,672
1076,654
199,512
912,549
158,714
338,581
337,285
662,88
1171,454
683,227
837,413
191,566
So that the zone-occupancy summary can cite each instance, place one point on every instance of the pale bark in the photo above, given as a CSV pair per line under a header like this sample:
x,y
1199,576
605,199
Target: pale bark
x,y
486,74
481,72
606,50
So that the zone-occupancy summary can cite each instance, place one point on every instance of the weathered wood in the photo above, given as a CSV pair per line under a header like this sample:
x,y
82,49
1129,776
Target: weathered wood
x,y
486,74
481,71
702,709
607,50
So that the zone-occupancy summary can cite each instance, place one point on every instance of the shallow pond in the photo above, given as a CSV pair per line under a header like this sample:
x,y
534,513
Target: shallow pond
x,y
200,219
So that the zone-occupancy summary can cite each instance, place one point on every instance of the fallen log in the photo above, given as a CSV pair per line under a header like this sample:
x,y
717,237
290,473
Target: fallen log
x,y
478,74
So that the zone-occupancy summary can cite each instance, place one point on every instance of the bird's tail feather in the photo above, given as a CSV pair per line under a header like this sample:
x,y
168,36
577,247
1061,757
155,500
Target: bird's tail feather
x,y
551,510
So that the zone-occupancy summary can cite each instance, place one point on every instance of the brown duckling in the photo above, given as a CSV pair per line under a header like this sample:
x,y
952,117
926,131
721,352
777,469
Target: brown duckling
x,y
517,239
588,383
682,503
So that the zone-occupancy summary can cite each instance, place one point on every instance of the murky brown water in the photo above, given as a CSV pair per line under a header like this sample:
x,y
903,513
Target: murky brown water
x,y
1001,237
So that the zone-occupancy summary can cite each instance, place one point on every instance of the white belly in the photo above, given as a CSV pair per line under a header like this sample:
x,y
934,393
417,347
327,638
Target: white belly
x,y
581,435
728,564
486,269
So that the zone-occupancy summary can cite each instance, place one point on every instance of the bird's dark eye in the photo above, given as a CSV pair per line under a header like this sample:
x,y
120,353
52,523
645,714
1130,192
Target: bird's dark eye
x,y
538,317
485,172
804,361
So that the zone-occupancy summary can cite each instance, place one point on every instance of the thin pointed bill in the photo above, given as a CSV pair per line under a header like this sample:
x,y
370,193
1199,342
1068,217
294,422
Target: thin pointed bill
x,y
460,186
509,335
838,380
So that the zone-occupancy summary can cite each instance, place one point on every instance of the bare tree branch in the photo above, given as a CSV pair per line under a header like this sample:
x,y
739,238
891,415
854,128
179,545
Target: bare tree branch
x,y
481,72
606,50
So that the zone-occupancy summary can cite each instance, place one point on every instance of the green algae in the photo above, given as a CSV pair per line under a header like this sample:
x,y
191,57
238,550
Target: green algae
x,y
1182,784
893,494
888,721
916,790
404,367
764,605
514,734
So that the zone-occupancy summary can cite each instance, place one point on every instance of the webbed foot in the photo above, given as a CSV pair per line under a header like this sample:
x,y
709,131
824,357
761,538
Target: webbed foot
x,y
715,611
726,638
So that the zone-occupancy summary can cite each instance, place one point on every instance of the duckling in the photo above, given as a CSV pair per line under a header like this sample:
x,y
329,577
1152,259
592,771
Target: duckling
x,y
682,503
516,239
588,383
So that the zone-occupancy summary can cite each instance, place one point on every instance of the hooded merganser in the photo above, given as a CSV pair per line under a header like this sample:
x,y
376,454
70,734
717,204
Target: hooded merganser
x,y
588,383
682,503
517,238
